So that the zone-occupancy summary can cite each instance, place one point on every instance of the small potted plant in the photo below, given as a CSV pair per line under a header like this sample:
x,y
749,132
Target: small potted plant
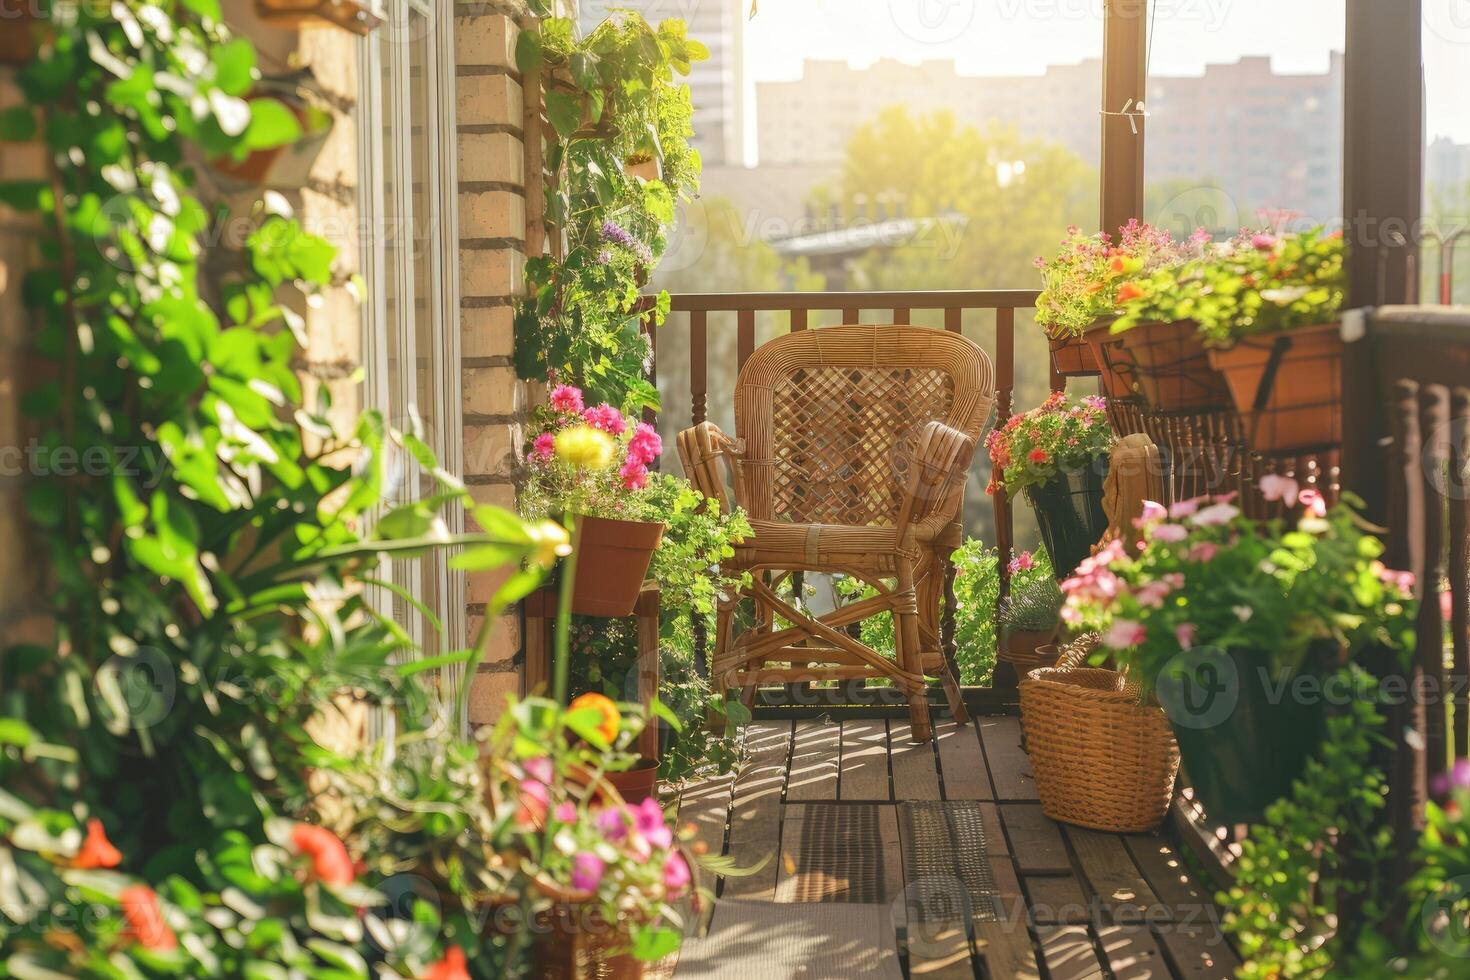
x,y
1058,455
1080,292
1029,618
1234,623
1273,333
592,464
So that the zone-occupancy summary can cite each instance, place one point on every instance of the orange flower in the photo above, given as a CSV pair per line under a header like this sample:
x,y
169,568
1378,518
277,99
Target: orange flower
x,y
96,851
1129,290
451,967
329,859
1118,264
611,720
145,919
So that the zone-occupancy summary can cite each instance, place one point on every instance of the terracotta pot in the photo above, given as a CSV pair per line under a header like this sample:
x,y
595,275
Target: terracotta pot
x,y
1071,357
284,167
1287,387
1172,368
575,943
637,784
1115,367
612,559
648,169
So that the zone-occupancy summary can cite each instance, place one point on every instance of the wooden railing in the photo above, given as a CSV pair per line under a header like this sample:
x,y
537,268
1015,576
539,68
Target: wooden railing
x,y
692,312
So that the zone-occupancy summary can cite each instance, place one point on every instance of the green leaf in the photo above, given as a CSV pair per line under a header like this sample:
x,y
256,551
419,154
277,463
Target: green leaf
x,y
434,663
564,111
584,722
529,51
661,710
15,732
654,942
234,66
17,124
272,124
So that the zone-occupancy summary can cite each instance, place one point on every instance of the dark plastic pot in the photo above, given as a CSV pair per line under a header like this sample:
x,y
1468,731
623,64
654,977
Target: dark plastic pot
x,y
612,559
1243,737
1069,514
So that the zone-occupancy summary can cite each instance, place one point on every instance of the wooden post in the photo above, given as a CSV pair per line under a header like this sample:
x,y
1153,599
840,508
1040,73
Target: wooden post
x,y
1125,43
1383,148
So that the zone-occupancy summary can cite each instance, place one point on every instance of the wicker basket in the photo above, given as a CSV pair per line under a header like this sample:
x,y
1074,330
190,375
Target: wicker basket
x,y
1101,759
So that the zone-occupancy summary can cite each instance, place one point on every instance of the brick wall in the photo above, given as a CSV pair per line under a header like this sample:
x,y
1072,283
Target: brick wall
x,y
492,229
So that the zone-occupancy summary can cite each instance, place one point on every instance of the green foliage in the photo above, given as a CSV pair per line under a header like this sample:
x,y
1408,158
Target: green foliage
x,y
613,99
209,567
1055,438
1081,282
1282,907
1259,282
1033,606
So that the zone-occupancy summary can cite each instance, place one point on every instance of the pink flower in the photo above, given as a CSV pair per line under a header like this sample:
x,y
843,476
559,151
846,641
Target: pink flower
x,y
539,768
1203,551
544,447
1153,511
645,446
1263,241
1277,487
634,474
1153,594
1314,503
566,812
606,418
587,869
1021,563
1183,508
1184,633
1170,533
565,398
676,873
1447,606
612,823
1124,633
1216,514
1226,498
648,819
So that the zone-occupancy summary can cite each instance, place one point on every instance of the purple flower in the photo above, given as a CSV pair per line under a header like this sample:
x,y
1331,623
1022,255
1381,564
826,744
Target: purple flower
x,y
587,869
612,823
604,256
615,233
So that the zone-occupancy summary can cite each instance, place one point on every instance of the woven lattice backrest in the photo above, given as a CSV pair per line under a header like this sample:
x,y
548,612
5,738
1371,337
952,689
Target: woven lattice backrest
x,y
830,417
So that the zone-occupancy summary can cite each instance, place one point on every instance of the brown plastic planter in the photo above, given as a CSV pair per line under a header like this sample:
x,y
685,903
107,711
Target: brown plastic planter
x,y
1287,387
1172,368
1116,368
1071,357
612,559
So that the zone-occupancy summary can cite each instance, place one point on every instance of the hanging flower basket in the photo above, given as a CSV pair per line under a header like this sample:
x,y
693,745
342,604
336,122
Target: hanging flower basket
x,y
1071,357
1069,514
612,560
285,167
1287,387
1115,367
1171,367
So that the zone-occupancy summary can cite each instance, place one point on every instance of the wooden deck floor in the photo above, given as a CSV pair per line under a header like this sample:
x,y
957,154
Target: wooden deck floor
x,y
1073,903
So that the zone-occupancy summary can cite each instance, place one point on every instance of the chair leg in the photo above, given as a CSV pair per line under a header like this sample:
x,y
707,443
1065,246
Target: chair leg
x,y
909,653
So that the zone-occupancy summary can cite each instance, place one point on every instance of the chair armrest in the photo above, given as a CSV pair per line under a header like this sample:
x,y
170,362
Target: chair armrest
x,y
936,480
701,448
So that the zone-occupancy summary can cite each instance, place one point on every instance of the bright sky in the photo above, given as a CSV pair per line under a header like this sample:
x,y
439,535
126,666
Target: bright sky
x,y
1013,37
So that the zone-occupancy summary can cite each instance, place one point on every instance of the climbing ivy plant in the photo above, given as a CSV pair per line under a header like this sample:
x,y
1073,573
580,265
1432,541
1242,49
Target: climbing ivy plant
x,y
614,101
166,808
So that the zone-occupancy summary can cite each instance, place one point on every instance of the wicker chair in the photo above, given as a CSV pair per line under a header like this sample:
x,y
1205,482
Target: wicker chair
x,y
854,445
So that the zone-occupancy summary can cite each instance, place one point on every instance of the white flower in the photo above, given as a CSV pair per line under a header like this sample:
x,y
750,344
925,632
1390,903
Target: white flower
x,y
1243,613
1216,514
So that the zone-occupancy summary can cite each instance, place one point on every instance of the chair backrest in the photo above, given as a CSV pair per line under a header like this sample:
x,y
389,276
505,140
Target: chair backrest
x,y
829,417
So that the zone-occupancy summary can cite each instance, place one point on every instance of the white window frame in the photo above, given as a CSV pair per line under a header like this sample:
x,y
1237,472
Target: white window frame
x,y
383,101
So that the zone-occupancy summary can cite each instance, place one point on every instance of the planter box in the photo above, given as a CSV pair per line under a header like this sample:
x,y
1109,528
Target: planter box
x,y
1172,369
1071,357
1287,387
1114,364
612,560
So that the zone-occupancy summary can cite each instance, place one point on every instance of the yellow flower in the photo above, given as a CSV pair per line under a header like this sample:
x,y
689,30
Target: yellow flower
x,y
552,542
584,447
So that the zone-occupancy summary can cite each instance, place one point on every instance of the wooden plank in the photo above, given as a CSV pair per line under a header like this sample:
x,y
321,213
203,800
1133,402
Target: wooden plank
x,y
1056,899
814,758
864,765
1198,951
1035,839
952,320
937,949
800,870
745,335
1008,888
1114,878
961,764
798,320
1068,953
1163,868
1009,767
915,772
698,366
995,835
755,813
1007,950
706,805
1131,953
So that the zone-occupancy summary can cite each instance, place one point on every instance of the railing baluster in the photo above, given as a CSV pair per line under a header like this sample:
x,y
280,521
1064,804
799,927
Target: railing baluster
x,y
953,319
1005,357
1434,426
698,367
650,330
798,320
1459,571
746,342
850,314
901,315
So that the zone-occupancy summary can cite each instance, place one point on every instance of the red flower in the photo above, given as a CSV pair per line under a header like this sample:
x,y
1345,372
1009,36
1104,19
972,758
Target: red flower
x,y
1038,456
96,851
1129,290
329,859
145,919
451,967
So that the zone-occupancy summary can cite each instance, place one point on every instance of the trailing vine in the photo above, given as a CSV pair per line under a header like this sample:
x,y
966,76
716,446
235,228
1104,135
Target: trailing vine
x,y
168,808
613,102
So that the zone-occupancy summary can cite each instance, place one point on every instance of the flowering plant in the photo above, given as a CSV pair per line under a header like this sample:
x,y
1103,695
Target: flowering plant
x,y
1258,282
1091,274
1206,575
588,459
622,865
1057,437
